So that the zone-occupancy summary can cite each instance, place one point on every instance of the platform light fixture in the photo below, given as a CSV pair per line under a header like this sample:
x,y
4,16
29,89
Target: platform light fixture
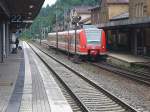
x,y
29,17
30,13
31,6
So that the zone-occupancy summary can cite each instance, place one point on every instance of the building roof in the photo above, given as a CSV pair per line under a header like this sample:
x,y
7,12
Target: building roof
x,y
94,8
121,16
82,9
86,20
117,1
138,22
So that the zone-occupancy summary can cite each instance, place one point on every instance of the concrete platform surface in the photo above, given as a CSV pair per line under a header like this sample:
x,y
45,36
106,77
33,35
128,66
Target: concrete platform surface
x,y
35,89
128,57
9,71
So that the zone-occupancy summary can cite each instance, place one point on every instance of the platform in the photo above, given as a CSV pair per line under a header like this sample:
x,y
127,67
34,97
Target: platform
x,y
9,71
26,85
127,59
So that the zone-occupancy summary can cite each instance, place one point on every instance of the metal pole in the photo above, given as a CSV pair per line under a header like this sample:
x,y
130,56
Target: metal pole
x,y
40,40
25,32
40,33
44,32
56,32
2,58
57,41
4,40
75,39
68,43
31,33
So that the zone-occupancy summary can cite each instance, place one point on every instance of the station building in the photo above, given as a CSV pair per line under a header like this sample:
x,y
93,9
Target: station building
x,y
111,10
126,23
140,12
14,16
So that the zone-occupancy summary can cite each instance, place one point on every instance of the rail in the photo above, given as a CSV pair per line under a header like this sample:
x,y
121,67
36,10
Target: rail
x,y
87,92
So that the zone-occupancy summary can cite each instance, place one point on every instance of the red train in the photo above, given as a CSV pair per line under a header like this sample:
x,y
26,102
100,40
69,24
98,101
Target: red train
x,y
91,41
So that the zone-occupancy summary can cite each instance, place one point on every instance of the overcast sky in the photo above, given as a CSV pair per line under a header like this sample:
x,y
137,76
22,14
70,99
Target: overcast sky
x,y
50,2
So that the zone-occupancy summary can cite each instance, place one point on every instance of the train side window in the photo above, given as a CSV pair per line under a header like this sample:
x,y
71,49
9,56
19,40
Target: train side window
x,y
72,39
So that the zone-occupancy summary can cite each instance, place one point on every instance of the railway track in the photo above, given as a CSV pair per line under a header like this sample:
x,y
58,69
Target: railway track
x,y
142,77
90,96
138,76
75,107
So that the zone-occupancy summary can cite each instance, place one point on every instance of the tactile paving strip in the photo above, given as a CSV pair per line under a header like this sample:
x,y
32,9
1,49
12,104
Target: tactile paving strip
x,y
39,97
6,83
26,102
15,100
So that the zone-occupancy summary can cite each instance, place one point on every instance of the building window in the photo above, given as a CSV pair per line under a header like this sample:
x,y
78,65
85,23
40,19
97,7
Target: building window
x,y
142,11
136,10
139,10
145,10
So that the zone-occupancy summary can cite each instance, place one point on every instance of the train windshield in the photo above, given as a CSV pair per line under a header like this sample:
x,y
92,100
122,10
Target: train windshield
x,y
93,36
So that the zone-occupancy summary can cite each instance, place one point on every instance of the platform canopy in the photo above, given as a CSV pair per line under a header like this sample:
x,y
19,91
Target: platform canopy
x,y
20,13
126,23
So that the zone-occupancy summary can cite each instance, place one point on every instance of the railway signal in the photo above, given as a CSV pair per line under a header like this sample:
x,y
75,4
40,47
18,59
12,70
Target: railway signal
x,y
75,21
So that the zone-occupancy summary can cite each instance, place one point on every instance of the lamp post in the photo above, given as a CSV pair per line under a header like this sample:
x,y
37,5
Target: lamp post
x,y
68,44
75,21
56,39
75,38
56,30
40,30
40,39
68,20
57,25
2,43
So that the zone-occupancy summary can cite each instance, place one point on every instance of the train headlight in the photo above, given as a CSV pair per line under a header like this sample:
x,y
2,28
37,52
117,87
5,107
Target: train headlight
x,y
84,46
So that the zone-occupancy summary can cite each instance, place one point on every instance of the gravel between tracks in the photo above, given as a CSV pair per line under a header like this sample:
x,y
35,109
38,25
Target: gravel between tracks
x,y
132,92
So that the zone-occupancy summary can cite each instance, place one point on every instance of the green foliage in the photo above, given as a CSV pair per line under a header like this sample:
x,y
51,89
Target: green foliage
x,y
47,15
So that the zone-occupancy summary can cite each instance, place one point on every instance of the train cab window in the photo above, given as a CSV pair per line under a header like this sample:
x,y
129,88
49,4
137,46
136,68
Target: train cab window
x,y
93,36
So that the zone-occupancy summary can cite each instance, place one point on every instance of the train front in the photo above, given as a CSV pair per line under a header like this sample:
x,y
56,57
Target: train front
x,y
96,42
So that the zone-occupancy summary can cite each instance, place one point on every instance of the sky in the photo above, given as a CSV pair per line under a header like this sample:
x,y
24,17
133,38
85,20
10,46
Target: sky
x,y
50,2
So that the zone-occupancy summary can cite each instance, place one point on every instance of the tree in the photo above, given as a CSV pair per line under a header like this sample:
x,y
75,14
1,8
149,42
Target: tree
x,y
47,15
